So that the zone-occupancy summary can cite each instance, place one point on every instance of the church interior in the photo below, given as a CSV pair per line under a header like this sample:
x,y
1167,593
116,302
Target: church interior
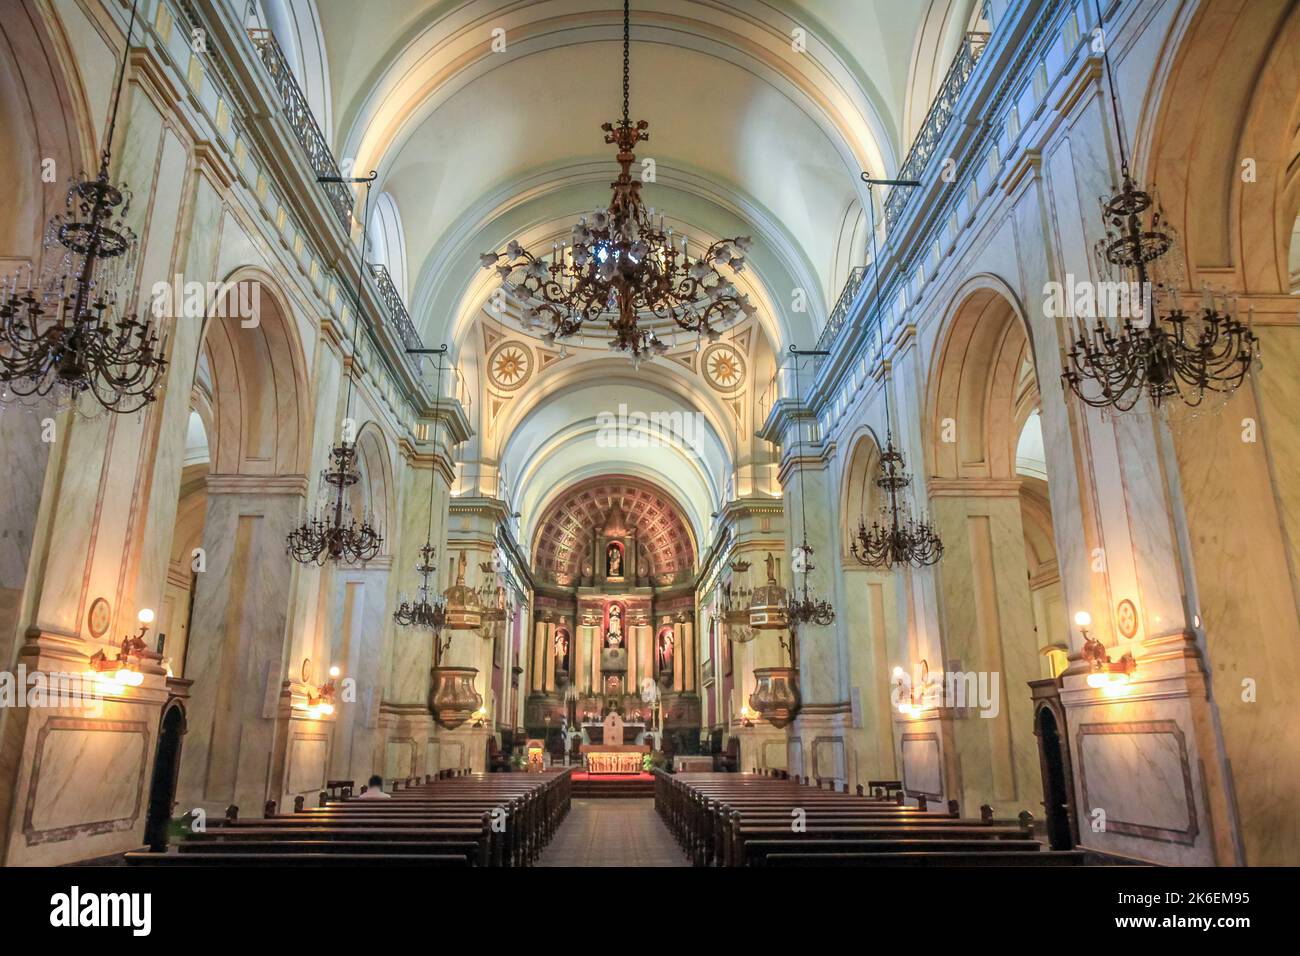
x,y
554,433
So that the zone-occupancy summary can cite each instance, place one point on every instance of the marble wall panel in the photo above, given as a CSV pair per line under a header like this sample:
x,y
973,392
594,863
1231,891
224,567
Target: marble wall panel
x,y
922,764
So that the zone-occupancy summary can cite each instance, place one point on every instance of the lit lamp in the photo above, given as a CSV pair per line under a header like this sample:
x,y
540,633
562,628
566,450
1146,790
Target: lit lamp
x,y
1103,673
911,701
125,667
320,700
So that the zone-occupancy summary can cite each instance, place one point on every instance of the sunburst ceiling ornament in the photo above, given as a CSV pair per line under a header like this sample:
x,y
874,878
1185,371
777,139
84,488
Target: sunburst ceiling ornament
x,y
510,365
724,367
623,264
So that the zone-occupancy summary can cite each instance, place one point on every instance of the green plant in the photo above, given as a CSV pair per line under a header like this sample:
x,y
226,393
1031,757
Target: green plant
x,y
647,762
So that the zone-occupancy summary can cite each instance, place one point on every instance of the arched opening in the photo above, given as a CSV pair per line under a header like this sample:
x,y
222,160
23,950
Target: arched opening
x,y
1004,622
166,768
872,599
240,495
357,614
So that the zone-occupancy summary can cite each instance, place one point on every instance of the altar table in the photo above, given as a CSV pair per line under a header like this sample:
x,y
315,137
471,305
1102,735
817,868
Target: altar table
x,y
602,758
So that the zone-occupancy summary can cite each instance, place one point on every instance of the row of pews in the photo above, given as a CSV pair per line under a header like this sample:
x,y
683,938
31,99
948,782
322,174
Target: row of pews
x,y
452,821
750,819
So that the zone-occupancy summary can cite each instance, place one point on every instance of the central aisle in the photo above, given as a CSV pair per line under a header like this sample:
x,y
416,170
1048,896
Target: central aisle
x,y
624,832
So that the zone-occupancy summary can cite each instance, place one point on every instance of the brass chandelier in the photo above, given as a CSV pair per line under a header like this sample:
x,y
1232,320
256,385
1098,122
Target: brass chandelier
x,y
334,533
65,333
895,536
427,611
622,265
802,605
1164,352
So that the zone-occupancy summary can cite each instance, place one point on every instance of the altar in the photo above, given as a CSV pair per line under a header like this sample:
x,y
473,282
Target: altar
x,y
613,757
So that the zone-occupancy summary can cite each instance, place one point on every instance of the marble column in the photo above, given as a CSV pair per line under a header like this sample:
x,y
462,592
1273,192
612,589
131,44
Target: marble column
x,y
238,642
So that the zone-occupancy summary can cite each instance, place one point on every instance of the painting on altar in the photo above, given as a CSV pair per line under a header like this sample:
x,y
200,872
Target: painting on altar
x,y
614,560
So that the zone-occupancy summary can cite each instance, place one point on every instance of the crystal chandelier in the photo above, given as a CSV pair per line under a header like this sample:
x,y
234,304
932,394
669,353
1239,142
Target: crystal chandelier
x,y
895,537
334,533
427,611
622,264
65,332
1159,350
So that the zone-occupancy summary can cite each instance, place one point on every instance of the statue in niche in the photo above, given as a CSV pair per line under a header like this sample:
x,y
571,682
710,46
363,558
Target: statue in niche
x,y
666,650
562,650
614,636
613,561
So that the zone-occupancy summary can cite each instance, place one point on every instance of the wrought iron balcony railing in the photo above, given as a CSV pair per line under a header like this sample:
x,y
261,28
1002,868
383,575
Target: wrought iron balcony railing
x,y
936,120
401,319
302,122
843,304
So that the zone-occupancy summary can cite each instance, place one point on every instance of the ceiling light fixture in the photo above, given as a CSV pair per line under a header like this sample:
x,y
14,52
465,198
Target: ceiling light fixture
x,y
66,333
333,533
895,536
1158,350
623,264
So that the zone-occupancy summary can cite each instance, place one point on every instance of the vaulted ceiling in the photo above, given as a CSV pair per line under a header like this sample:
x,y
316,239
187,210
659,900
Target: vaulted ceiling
x,y
483,120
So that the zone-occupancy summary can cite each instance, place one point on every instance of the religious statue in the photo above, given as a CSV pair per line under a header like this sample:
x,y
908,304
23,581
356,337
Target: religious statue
x,y
562,650
614,636
613,561
666,650
771,568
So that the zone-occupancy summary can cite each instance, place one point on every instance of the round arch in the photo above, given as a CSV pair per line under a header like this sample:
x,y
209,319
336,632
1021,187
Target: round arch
x,y
1207,115
857,488
261,400
981,372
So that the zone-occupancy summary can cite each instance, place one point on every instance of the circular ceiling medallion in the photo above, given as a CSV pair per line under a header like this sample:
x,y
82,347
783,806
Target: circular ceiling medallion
x,y
509,365
724,367
1126,619
98,618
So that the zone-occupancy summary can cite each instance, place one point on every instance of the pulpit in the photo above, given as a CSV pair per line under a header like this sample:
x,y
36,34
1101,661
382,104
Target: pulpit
x,y
613,756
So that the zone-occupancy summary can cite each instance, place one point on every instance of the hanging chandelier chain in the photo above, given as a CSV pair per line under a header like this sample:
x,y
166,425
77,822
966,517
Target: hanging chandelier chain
x,y
627,62
107,152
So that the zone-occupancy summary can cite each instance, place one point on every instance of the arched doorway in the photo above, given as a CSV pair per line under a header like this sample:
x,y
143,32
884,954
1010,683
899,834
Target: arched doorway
x,y
873,597
1003,617
166,770
1058,779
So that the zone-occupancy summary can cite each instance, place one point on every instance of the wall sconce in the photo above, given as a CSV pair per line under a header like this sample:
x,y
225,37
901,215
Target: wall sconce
x,y
125,667
320,700
1103,673
747,715
911,701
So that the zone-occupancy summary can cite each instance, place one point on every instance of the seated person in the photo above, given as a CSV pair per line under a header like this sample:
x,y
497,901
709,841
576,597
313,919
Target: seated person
x,y
375,790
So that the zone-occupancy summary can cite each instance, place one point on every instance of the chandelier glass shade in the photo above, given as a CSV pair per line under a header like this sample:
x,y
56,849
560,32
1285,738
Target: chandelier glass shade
x,y
68,332
425,610
1157,350
895,536
621,265
334,532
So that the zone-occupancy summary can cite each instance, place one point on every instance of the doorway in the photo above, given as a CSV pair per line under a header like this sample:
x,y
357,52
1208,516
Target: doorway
x,y
166,769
